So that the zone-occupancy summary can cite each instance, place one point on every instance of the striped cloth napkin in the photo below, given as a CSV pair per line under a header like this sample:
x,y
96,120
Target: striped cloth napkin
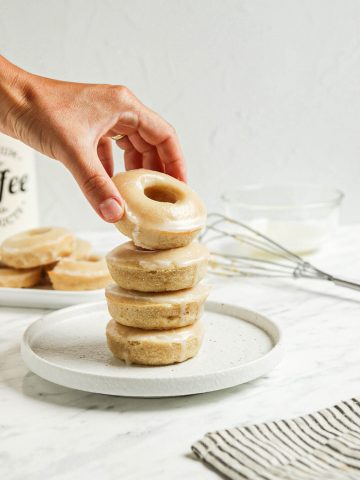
x,y
323,445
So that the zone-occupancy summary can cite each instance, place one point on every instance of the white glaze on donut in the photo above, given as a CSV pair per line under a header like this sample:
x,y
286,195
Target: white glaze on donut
x,y
73,274
128,255
176,335
182,297
158,209
26,241
40,246
95,265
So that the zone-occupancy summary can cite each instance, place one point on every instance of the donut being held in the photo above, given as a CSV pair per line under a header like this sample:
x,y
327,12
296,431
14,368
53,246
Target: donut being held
x,y
72,274
133,268
154,347
36,247
160,211
156,311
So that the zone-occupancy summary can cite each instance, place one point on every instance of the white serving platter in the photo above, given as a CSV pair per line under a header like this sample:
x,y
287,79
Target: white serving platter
x,y
46,298
68,347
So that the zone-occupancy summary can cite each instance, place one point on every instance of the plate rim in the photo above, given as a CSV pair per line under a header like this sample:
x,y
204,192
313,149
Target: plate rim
x,y
49,292
37,298
36,364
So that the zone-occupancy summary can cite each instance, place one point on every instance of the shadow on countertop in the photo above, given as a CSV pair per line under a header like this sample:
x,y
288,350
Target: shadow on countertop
x,y
48,392
15,375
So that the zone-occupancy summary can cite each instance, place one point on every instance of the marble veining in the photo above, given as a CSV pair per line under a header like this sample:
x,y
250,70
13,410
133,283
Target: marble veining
x,y
51,432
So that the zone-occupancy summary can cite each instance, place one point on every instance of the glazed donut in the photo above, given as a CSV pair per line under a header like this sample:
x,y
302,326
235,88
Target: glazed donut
x,y
72,274
154,347
36,247
160,211
134,268
156,311
82,249
14,278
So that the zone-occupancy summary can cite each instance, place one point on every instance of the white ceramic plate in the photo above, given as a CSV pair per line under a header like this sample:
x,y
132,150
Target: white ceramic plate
x,y
42,298
68,347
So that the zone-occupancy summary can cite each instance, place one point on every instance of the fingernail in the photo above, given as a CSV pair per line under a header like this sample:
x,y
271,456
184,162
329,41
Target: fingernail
x,y
111,210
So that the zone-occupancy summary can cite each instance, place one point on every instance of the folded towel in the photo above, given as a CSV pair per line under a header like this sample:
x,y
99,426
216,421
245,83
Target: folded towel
x,y
323,445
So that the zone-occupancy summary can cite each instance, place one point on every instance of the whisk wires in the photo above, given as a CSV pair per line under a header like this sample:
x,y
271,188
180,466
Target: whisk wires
x,y
270,258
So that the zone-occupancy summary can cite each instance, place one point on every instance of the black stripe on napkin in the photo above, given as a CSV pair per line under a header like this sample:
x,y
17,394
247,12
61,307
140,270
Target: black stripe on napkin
x,y
324,445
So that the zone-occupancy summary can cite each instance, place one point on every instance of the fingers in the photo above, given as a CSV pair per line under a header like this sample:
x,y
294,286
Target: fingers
x,y
154,130
96,185
171,156
124,143
104,151
164,156
133,159
139,153
145,128
151,161
150,157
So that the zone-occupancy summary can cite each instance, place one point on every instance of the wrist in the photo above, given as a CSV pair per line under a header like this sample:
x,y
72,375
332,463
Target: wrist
x,y
14,93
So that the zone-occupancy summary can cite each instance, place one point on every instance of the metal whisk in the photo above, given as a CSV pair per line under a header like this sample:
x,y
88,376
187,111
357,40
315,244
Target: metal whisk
x,y
271,258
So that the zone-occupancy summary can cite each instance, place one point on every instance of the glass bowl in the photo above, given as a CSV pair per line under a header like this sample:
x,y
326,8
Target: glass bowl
x,y
300,216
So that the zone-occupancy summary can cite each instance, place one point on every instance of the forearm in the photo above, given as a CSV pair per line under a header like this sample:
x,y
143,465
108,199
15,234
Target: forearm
x,y
14,83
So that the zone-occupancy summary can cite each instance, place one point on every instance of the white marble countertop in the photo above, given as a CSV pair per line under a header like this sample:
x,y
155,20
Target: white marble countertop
x,y
51,432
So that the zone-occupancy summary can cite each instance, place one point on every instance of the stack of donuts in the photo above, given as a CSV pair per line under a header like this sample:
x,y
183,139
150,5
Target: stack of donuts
x,y
51,257
156,301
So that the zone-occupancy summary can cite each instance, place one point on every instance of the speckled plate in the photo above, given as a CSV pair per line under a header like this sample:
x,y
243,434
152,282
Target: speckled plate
x,y
68,347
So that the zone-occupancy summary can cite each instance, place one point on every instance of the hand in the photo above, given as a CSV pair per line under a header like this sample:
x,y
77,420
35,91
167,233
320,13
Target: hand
x,y
74,123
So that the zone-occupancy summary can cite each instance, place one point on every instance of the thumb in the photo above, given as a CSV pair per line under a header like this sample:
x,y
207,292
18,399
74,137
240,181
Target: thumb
x,y
97,187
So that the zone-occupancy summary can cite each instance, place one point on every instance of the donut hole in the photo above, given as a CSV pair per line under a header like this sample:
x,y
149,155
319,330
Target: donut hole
x,y
163,194
39,231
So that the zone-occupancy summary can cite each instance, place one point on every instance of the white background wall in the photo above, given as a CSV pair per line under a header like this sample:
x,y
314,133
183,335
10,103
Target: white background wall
x,y
259,90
